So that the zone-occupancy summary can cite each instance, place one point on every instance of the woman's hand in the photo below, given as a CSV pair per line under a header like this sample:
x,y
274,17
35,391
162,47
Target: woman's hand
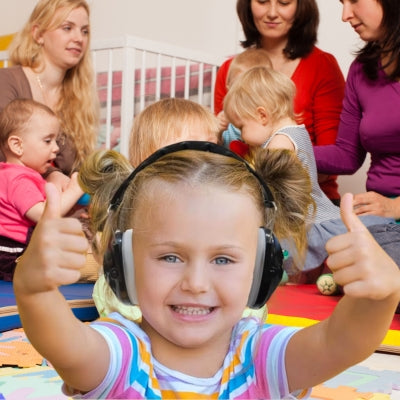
x,y
372,203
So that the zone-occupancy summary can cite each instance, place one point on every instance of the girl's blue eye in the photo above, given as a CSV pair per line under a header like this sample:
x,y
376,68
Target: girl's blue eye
x,y
222,261
170,258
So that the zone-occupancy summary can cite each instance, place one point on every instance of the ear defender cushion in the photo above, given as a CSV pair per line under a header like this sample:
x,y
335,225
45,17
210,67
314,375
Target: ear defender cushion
x,y
268,269
129,268
118,267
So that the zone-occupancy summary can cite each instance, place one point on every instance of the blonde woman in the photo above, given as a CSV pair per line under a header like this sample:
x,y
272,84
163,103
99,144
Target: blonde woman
x,y
51,64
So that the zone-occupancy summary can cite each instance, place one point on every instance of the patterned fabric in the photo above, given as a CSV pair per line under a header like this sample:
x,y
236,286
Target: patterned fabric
x,y
230,134
254,366
298,135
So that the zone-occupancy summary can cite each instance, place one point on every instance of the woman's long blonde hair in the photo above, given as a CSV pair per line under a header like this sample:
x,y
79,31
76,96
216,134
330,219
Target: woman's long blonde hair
x,y
78,107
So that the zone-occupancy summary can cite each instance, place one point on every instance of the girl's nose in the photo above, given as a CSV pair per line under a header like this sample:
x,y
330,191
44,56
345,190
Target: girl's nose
x,y
196,278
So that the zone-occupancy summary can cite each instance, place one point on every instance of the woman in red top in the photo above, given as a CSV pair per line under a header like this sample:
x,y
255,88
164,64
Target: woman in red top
x,y
288,32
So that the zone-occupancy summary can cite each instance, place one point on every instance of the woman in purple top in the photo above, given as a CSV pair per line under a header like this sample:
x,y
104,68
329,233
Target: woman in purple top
x,y
370,119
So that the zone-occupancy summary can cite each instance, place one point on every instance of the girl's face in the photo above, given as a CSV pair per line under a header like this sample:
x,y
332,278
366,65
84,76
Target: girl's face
x,y
194,254
273,18
65,46
254,131
38,141
365,17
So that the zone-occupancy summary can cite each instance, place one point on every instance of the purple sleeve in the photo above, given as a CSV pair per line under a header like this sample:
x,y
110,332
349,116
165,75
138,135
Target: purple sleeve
x,y
347,155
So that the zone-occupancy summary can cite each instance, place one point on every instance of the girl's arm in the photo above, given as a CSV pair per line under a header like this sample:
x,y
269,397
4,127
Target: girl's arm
x,y
69,197
371,284
60,180
53,258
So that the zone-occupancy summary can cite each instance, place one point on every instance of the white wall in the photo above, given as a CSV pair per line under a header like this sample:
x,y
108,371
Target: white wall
x,y
210,26
207,25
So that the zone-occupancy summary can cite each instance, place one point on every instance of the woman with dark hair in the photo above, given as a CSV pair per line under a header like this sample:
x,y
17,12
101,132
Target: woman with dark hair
x,y
288,32
370,120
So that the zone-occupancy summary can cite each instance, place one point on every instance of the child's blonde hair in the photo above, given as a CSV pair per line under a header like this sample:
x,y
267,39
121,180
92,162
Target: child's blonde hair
x,y
168,121
260,87
250,58
291,187
16,115
78,108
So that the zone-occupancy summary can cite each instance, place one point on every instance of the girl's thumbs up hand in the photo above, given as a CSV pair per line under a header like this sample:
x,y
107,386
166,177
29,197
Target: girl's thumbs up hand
x,y
56,251
358,262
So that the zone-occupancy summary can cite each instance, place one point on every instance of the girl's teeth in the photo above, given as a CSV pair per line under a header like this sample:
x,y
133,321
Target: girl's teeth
x,y
191,310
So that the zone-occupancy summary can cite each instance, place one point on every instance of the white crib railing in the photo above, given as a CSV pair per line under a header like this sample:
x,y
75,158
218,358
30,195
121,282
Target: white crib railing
x,y
133,72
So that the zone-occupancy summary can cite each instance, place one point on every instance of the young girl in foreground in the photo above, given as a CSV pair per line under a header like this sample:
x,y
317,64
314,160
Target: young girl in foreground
x,y
194,252
163,122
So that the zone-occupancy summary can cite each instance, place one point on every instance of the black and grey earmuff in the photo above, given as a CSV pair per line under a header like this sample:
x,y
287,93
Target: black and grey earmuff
x,y
118,262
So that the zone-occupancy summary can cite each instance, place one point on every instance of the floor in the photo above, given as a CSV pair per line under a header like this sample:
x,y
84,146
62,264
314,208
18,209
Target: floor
x,y
383,361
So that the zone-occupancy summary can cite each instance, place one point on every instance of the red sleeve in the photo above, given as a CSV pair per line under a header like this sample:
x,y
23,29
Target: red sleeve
x,y
320,92
319,96
220,86
328,102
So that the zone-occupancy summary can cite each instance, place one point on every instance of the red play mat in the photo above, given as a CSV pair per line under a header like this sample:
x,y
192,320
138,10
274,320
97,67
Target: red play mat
x,y
305,301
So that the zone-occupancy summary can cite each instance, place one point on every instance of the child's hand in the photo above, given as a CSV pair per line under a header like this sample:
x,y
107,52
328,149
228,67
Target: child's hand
x,y
56,252
60,180
74,186
358,262
222,121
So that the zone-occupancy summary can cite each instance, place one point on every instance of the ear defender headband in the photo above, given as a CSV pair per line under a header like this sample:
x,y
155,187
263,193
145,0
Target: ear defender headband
x,y
118,263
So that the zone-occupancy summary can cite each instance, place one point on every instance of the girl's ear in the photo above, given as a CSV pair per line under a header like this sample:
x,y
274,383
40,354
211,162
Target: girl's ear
x,y
15,145
262,116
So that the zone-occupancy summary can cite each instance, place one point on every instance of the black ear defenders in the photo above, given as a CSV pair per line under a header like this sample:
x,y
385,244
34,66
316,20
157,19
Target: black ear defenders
x,y
118,261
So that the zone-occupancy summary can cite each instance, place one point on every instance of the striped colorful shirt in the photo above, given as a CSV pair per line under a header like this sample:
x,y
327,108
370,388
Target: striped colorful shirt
x,y
254,367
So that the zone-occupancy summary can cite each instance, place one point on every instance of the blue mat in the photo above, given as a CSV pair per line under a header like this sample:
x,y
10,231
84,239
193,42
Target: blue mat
x,y
78,295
